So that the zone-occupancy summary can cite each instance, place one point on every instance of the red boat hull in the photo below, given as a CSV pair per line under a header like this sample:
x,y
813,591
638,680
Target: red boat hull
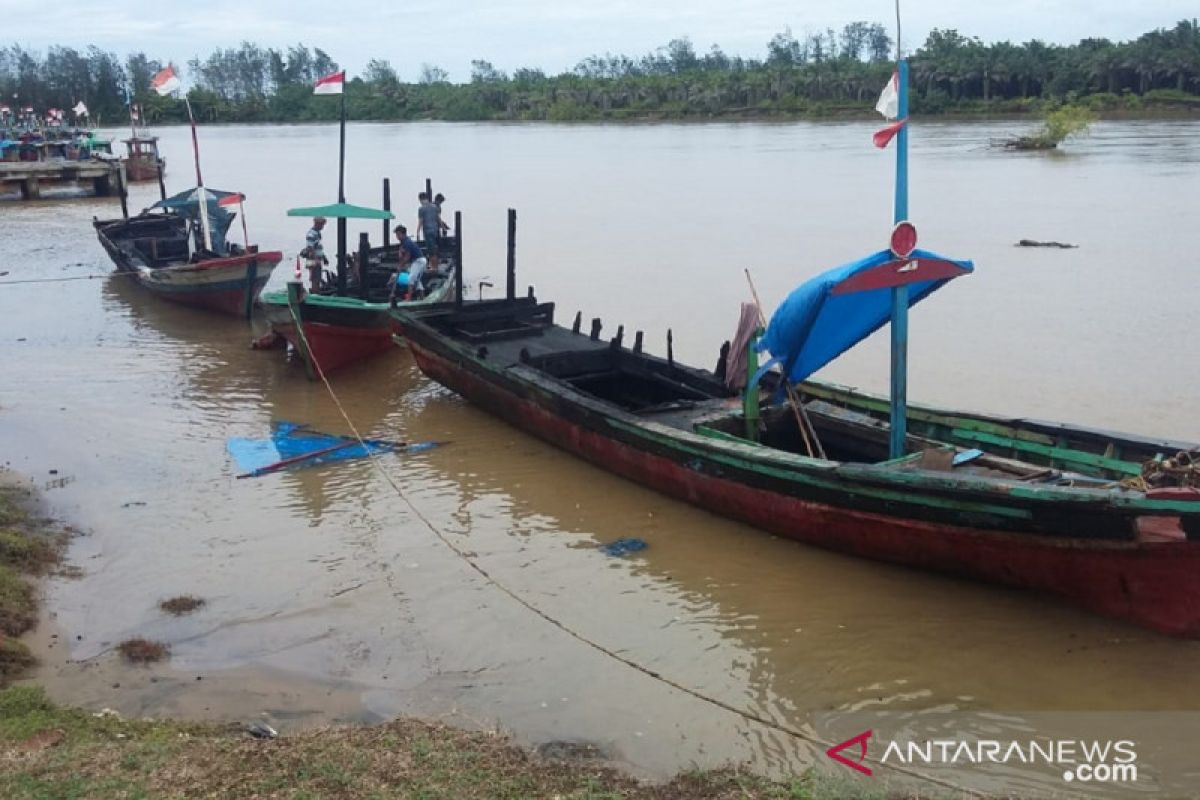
x,y
336,346
228,285
1152,583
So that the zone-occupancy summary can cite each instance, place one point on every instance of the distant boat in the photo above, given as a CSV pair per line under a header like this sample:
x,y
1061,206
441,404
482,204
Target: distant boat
x,y
163,249
142,159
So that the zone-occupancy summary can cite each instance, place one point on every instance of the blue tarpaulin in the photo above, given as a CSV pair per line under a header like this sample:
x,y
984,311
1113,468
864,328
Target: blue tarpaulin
x,y
187,204
813,326
289,440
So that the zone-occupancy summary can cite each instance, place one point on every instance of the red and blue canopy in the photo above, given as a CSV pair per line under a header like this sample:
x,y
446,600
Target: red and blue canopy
x,y
827,315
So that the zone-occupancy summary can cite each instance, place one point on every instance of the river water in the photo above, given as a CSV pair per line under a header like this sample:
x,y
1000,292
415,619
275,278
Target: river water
x,y
329,598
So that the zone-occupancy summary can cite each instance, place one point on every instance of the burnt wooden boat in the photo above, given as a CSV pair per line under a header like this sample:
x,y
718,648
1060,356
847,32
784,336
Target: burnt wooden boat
x,y
162,248
1039,506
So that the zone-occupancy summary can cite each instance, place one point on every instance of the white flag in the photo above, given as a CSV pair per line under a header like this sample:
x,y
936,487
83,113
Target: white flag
x,y
80,109
889,98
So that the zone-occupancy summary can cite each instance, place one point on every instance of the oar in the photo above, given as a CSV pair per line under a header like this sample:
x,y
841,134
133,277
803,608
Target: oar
x,y
415,447
287,462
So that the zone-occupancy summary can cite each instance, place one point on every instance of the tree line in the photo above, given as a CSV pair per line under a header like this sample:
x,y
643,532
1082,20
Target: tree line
x,y
817,73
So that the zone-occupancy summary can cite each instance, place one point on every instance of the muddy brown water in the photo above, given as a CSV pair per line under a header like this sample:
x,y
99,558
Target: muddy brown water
x,y
329,597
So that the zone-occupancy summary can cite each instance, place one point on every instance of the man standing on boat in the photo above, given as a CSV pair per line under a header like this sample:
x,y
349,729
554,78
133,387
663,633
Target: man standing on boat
x,y
314,253
412,259
429,217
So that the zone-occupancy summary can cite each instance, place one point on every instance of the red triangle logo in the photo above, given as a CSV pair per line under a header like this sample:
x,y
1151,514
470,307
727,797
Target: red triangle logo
x,y
861,740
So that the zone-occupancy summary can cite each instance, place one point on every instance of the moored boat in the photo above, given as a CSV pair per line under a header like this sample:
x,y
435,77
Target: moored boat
x,y
347,318
164,250
1065,525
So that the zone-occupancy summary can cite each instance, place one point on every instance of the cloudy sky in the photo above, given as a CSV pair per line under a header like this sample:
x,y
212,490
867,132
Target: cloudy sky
x,y
550,34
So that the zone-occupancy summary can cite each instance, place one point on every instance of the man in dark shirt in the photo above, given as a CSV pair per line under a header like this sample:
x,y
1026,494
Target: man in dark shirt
x,y
429,217
412,261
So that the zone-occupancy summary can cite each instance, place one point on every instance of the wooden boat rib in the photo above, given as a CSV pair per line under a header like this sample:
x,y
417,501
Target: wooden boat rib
x,y
1044,511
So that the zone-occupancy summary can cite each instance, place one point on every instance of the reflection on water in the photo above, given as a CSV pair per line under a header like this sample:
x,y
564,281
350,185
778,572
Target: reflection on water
x,y
328,575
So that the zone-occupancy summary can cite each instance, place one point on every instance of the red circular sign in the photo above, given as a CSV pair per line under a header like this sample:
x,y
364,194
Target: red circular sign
x,y
904,239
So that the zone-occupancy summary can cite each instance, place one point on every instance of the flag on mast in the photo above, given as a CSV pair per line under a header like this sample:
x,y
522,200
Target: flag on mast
x,y
889,106
166,81
330,84
80,109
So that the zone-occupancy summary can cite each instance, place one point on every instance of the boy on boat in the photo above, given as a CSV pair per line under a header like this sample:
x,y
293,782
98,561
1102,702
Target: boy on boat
x,y
314,253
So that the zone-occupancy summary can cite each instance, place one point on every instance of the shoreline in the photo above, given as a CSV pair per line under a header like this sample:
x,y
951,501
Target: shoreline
x,y
200,749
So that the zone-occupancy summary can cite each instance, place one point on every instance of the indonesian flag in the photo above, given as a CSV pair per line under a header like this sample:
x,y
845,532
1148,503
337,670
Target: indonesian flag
x,y
80,109
889,106
330,84
166,81
135,112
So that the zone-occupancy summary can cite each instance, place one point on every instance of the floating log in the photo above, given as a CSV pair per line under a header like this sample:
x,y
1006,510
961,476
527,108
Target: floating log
x,y
1035,243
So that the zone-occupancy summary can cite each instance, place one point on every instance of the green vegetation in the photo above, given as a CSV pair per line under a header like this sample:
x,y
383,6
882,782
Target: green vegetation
x,y
52,752
21,550
1057,125
819,75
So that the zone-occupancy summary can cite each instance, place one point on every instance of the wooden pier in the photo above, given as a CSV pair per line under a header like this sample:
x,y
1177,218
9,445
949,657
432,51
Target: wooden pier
x,y
105,177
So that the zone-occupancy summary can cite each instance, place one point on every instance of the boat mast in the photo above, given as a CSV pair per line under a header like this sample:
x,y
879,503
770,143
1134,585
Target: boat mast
x,y
899,405
202,195
341,220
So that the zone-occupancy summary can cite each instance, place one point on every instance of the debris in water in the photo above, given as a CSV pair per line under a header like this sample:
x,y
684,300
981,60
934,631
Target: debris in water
x,y
183,604
143,651
622,547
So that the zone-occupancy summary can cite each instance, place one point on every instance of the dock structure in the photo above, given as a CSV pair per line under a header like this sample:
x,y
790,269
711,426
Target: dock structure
x,y
105,177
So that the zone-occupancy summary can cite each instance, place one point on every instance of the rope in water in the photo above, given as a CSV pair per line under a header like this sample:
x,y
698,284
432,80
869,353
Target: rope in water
x,y
750,716
68,278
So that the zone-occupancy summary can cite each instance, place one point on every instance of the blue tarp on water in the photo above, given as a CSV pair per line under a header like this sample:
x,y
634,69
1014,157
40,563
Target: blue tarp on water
x,y
813,326
289,440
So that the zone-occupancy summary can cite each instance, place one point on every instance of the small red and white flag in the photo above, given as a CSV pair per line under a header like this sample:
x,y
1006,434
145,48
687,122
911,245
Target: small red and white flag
x,y
889,106
166,81
330,84
234,199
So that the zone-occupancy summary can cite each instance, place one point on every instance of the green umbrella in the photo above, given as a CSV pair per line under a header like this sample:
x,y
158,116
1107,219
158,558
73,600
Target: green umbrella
x,y
341,210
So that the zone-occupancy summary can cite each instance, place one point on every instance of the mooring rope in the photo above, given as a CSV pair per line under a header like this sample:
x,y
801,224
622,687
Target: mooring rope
x,y
68,278
749,716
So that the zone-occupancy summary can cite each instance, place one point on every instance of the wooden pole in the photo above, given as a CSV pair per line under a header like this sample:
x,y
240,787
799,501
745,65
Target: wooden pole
x,y
387,206
364,249
802,420
458,260
122,192
341,223
295,295
162,185
511,284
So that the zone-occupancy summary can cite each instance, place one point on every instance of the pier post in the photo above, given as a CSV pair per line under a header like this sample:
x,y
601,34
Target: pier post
x,y
30,190
122,192
162,186
511,285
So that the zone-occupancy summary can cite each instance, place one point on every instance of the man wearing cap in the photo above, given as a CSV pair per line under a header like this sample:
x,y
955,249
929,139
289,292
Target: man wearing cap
x,y
314,253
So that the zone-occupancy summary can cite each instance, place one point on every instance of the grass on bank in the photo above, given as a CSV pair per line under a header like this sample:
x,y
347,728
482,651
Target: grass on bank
x,y
46,751
23,551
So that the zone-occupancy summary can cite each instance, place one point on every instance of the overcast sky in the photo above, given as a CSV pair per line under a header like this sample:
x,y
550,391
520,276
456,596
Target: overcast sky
x,y
550,34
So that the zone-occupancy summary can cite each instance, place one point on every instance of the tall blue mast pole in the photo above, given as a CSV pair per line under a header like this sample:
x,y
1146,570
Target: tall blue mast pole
x,y
899,410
